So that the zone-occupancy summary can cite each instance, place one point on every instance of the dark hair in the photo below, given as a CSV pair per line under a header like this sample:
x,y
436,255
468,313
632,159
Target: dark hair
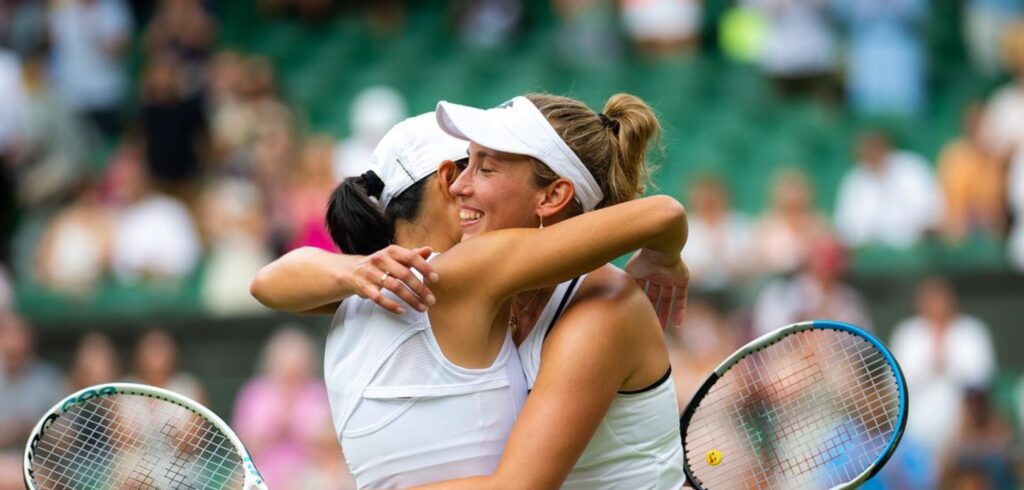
x,y
357,223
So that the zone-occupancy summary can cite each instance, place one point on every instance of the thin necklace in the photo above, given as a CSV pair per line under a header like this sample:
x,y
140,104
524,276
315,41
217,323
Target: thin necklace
x,y
513,320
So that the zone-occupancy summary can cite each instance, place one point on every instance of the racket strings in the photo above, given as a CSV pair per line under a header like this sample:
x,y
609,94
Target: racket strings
x,y
134,442
808,456
802,465
813,410
146,462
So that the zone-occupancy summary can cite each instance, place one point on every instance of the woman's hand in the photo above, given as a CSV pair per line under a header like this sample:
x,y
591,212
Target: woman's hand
x,y
666,280
391,268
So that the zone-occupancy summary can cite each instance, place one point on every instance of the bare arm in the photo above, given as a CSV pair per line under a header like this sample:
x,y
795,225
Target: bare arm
x,y
526,258
311,280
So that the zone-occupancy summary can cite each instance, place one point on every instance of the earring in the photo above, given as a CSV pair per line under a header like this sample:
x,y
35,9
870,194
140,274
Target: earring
x,y
541,216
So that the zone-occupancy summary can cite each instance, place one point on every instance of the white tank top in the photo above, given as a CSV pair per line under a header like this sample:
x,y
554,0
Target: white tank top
x,y
637,446
404,414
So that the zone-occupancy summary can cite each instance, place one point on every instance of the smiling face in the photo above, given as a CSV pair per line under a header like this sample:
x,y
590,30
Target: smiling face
x,y
496,191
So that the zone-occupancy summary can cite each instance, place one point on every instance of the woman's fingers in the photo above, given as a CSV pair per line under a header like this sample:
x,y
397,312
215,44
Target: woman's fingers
x,y
419,262
680,313
404,275
671,313
376,295
373,282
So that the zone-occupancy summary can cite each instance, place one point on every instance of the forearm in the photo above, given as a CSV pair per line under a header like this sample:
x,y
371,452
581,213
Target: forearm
x,y
304,279
474,483
654,224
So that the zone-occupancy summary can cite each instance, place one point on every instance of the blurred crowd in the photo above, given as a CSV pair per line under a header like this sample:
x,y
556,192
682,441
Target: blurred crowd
x,y
281,414
135,149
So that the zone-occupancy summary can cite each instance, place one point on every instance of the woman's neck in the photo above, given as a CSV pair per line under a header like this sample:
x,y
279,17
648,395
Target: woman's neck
x,y
411,235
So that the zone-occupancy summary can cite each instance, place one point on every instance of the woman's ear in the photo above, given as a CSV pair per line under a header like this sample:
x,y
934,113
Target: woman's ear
x,y
447,172
558,196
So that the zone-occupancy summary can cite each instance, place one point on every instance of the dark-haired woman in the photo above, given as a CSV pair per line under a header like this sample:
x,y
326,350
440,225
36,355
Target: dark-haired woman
x,y
604,366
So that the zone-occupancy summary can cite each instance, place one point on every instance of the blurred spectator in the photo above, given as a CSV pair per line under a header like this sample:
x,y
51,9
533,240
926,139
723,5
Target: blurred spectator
x,y
695,349
156,364
50,158
662,26
13,104
13,109
6,291
1015,198
885,60
942,353
174,123
1003,124
798,50
973,183
245,110
488,23
278,412
95,362
90,44
327,467
307,194
229,77
981,454
154,236
889,198
372,113
235,228
718,248
815,292
785,231
74,251
587,33
985,23
28,388
23,25
183,27
1018,402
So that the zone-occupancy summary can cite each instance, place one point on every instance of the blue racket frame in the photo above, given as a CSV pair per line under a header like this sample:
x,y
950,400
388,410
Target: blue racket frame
x,y
775,336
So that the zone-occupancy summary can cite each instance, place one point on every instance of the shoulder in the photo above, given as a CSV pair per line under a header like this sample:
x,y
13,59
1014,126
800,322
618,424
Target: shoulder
x,y
910,162
908,331
609,304
974,327
607,283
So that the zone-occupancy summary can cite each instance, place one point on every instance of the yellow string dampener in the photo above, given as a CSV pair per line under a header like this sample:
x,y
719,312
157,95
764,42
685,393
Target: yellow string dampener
x,y
714,457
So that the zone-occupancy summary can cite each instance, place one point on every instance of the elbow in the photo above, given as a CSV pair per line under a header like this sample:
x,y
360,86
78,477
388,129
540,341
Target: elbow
x,y
672,214
260,285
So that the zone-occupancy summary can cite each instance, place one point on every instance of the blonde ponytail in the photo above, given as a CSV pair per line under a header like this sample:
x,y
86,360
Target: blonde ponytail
x,y
613,145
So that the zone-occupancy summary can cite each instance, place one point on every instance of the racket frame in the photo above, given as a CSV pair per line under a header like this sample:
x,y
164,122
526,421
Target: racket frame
x,y
775,336
253,480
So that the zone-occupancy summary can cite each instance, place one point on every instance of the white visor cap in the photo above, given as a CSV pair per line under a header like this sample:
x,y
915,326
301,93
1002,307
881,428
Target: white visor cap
x,y
518,127
411,151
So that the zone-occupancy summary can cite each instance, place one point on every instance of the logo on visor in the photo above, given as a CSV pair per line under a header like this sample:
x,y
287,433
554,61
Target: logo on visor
x,y
506,104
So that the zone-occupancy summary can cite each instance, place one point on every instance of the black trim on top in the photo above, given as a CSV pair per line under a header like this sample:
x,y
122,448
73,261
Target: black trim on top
x,y
652,386
561,306
684,422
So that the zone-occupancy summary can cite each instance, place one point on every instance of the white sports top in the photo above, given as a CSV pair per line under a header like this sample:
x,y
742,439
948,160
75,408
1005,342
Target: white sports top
x,y
403,413
637,446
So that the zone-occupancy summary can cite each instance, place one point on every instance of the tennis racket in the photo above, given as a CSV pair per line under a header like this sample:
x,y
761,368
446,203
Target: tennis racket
x,y
130,436
813,405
